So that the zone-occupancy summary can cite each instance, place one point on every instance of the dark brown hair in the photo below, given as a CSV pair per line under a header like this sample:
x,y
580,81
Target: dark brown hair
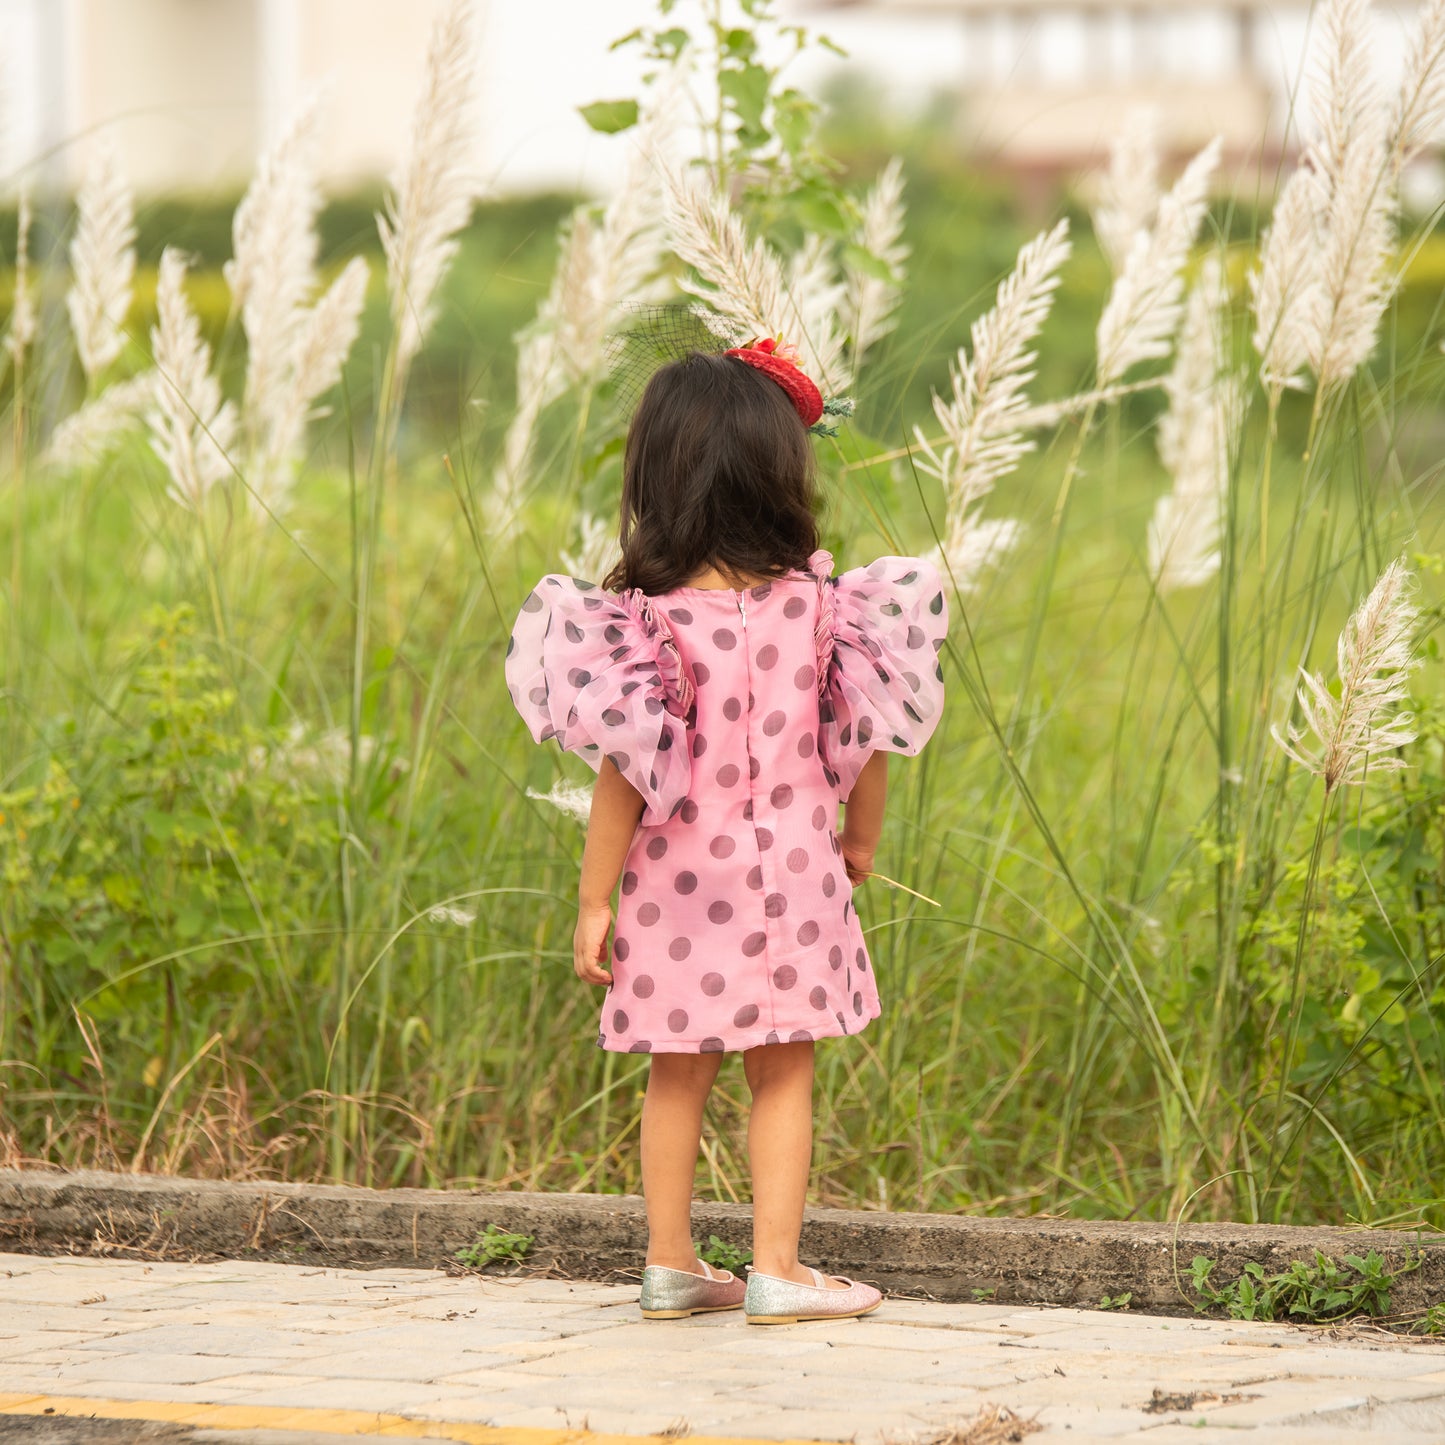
x,y
718,472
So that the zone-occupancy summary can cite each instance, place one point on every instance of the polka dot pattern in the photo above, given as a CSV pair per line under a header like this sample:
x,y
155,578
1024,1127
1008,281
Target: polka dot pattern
x,y
742,728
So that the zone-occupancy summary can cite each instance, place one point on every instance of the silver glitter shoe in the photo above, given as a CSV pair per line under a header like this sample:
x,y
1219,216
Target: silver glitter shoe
x,y
674,1294
774,1301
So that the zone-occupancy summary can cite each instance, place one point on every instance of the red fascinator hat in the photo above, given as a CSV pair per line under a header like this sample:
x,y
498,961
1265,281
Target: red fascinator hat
x,y
780,363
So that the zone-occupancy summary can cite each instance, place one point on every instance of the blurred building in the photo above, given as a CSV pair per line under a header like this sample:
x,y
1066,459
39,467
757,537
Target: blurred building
x,y
1046,83
191,91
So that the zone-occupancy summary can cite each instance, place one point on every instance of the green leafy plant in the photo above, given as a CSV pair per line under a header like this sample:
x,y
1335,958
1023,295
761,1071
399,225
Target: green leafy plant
x,y
495,1245
1315,1293
1116,1301
722,1255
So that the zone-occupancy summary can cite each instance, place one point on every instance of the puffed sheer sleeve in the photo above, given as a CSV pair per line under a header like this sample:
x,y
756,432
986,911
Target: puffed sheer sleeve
x,y
880,629
601,673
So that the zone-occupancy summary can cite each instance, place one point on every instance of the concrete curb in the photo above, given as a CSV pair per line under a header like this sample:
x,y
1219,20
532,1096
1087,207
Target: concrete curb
x,y
594,1236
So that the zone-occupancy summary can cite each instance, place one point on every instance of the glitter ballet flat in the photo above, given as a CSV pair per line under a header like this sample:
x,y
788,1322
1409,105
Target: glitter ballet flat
x,y
773,1301
674,1294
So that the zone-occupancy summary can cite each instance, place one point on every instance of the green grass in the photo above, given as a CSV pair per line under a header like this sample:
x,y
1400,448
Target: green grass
x,y
229,810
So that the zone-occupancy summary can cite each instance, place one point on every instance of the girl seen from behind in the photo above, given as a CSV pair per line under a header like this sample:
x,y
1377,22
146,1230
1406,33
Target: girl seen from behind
x,y
731,693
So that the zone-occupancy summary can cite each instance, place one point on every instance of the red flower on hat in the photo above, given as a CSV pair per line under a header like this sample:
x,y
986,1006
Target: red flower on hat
x,y
768,355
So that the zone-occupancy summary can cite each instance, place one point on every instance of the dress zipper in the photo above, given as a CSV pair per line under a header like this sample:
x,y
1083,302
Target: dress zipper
x,y
742,608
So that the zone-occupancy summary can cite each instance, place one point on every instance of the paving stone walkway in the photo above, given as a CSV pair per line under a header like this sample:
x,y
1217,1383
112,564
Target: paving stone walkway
x,y
244,1347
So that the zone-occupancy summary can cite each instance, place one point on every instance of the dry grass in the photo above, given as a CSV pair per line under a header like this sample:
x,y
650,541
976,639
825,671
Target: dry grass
x,y
993,1425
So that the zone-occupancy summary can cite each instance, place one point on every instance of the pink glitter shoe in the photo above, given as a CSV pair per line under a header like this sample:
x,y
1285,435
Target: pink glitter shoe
x,y
674,1294
774,1301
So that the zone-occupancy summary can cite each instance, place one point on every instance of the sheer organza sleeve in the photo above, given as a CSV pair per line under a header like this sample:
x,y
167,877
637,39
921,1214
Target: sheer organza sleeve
x,y
880,629
601,673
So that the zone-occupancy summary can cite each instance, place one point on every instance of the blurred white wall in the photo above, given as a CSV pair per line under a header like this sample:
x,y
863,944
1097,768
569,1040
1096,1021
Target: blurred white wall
x,y
192,89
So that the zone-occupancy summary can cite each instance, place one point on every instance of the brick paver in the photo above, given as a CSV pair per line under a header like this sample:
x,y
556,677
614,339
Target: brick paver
x,y
557,1355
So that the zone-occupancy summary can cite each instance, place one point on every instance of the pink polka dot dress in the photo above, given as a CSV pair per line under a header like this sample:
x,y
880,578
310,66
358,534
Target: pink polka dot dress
x,y
742,718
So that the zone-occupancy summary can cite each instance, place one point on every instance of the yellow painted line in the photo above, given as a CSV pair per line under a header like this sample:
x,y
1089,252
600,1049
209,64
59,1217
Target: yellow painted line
x,y
331,1422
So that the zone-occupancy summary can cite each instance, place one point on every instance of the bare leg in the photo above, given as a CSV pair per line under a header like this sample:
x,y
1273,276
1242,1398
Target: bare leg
x,y
780,1146
677,1089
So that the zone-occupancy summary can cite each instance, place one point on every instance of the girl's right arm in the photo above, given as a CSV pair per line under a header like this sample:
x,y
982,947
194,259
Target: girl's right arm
x,y
616,810
863,818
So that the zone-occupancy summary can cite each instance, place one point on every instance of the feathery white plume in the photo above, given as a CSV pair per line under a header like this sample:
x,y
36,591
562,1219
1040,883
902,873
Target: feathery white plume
x,y
540,379
981,436
597,550
271,276
1355,283
1193,441
446,913
1144,304
87,436
1286,285
872,301
1420,106
1129,190
102,261
981,440
607,261
191,427
1354,196
23,321
744,280
970,544
1362,728
434,188
321,340
572,799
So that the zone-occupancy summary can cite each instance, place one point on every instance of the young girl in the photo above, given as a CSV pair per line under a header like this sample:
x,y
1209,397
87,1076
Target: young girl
x,y
730,693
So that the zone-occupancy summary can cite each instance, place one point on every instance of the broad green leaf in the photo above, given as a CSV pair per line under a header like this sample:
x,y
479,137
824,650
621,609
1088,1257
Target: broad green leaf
x,y
609,116
746,88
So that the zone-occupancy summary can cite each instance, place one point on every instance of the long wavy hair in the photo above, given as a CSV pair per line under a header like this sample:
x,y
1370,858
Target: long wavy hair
x,y
718,472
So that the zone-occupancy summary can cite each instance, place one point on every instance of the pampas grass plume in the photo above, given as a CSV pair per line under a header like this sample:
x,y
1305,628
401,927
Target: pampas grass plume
x,y
102,261
1146,299
1420,106
1129,189
88,435
1193,439
982,440
1363,727
191,427
870,301
23,320
434,188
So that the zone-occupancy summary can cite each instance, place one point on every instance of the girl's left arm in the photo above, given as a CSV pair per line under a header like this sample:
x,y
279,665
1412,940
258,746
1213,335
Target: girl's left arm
x,y
616,810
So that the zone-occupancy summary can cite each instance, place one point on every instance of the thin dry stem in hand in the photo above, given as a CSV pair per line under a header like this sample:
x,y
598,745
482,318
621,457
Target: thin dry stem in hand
x,y
87,436
1193,441
1129,189
982,440
1419,110
191,427
102,261
871,302
1363,728
574,800
1145,302
433,190
23,320
744,279
1285,287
